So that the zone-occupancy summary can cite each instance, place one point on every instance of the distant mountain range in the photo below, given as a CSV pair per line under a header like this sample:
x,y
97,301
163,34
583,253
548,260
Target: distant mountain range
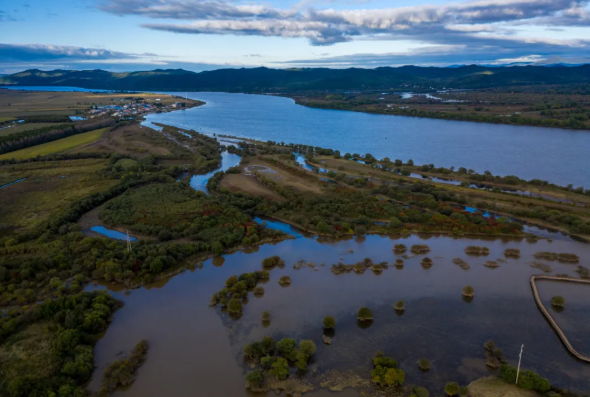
x,y
277,80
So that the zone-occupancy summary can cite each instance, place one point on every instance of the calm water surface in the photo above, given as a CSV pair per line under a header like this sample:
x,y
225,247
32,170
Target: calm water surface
x,y
196,349
529,152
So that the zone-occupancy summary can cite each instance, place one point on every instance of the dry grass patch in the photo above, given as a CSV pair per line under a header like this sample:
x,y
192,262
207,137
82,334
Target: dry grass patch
x,y
248,184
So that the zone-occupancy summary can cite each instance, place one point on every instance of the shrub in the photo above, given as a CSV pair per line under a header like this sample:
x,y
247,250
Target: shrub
x,y
329,322
512,253
461,263
489,345
420,249
558,301
259,291
280,368
426,262
234,305
468,291
399,305
420,392
463,391
269,263
477,250
399,248
230,282
255,378
365,314
285,280
286,346
399,263
491,264
307,347
424,364
266,316
451,388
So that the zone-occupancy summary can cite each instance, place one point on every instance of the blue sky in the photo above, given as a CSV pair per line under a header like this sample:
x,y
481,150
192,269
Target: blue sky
x,y
123,35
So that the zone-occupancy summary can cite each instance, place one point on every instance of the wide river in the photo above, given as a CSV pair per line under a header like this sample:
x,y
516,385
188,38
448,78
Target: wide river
x,y
557,155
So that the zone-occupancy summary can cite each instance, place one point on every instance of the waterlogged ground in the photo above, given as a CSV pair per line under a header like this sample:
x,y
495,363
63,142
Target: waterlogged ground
x,y
196,349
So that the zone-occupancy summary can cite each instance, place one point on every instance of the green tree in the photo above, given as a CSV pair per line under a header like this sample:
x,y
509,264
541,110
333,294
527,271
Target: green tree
x,y
329,322
286,346
395,377
451,388
255,378
307,347
280,368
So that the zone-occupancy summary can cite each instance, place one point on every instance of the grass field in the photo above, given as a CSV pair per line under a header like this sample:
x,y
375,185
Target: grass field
x,y
61,145
49,187
25,127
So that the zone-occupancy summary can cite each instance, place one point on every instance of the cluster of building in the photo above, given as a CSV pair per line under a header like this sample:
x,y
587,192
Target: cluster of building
x,y
132,109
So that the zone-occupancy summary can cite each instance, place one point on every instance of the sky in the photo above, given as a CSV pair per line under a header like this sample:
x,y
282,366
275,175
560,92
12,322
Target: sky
x,y
131,35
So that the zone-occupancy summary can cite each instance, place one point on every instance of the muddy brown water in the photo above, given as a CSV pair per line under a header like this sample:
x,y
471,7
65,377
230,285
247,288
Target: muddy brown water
x,y
196,349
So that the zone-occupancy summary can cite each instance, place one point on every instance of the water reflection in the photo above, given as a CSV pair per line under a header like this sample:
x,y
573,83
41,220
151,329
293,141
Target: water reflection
x,y
112,233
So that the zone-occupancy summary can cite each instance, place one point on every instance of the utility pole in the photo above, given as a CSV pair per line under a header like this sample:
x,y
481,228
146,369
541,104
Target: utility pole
x,y
519,358
128,242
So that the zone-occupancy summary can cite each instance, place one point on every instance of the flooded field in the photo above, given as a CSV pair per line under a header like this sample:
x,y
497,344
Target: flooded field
x,y
197,347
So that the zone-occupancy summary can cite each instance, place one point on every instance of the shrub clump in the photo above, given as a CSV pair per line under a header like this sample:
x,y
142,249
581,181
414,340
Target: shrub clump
x,y
544,267
234,306
399,306
365,314
512,253
399,263
494,355
558,301
269,263
528,380
491,264
274,358
266,316
236,289
285,280
461,263
562,257
451,388
400,248
259,291
385,371
427,263
477,250
122,372
424,364
584,272
420,249
329,322
468,291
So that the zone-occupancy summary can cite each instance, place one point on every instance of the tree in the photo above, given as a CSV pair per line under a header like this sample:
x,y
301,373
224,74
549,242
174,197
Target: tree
x,y
410,162
329,322
234,305
424,364
394,221
286,346
307,347
395,377
558,301
255,378
266,316
365,314
451,388
280,368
